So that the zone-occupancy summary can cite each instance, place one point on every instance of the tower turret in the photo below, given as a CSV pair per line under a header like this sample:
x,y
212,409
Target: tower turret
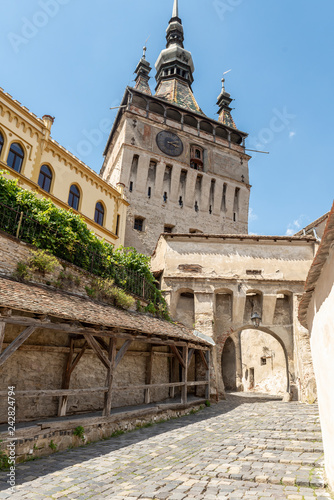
x,y
224,101
143,70
175,67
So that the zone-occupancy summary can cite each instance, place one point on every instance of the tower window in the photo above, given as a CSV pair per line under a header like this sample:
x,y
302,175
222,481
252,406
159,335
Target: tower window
x,y
99,214
196,158
165,197
149,191
15,157
118,222
74,197
1,142
139,224
168,228
181,202
131,187
263,361
45,178
196,207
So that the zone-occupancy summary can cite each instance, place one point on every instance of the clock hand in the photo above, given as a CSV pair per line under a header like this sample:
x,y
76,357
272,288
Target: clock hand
x,y
173,144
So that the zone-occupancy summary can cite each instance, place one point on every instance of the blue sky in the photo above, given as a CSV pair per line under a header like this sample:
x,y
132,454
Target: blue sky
x,y
77,61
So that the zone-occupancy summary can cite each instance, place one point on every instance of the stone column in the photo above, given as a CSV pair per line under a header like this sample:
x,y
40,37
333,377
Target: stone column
x,y
238,361
305,377
268,309
204,322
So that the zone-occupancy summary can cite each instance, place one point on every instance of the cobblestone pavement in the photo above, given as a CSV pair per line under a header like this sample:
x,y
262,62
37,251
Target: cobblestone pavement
x,y
243,448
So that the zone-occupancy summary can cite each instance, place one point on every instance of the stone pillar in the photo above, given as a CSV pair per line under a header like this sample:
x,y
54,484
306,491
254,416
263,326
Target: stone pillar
x,y
204,322
268,309
305,378
159,179
238,361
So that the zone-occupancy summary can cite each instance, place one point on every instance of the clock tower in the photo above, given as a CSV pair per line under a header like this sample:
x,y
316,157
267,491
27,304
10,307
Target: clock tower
x,y
182,171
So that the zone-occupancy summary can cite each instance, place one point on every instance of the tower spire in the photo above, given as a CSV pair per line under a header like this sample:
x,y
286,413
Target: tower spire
x,y
142,71
175,9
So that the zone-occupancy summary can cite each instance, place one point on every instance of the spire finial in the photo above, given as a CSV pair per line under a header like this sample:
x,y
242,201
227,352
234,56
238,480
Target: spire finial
x,y
176,9
223,82
144,52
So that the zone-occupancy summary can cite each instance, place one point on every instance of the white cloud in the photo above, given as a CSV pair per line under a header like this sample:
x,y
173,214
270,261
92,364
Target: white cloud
x,y
295,226
292,134
252,216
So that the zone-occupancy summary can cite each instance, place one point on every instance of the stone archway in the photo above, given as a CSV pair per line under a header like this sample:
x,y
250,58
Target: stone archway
x,y
272,334
229,365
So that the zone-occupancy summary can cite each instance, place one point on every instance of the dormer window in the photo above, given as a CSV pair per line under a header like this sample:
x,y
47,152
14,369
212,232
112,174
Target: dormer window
x,y
197,158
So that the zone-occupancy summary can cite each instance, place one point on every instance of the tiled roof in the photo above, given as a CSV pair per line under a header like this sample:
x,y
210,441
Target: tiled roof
x,y
225,118
316,268
178,93
143,86
40,300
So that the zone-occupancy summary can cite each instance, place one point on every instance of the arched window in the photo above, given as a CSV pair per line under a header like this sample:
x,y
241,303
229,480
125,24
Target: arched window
x,y
45,178
99,214
1,142
74,197
15,157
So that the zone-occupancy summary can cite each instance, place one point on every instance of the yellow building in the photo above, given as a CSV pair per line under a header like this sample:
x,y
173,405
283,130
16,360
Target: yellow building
x,y
29,154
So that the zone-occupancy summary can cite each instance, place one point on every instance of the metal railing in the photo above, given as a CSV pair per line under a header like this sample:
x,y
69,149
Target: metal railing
x,y
26,228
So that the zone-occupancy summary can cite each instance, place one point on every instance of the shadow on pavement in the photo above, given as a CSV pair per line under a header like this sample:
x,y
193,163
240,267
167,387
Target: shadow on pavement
x,y
58,461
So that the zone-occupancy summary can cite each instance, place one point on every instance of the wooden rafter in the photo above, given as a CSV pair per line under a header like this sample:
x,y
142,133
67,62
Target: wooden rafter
x,y
13,347
97,349
122,351
178,355
190,356
202,355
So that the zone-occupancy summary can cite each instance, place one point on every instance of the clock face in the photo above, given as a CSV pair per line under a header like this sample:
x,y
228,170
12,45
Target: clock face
x,y
170,143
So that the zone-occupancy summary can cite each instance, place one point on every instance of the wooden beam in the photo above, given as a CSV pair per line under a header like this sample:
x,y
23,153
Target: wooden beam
x,y
110,331
79,392
102,343
178,355
110,377
190,355
208,375
98,351
2,334
171,375
203,358
13,347
54,392
66,381
184,389
79,356
149,367
122,352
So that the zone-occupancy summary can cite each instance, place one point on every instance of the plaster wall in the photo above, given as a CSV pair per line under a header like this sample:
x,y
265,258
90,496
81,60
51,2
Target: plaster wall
x,y
231,277
320,321
269,378
18,125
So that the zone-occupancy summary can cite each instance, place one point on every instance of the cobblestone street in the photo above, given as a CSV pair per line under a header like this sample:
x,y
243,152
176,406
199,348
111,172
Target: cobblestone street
x,y
246,447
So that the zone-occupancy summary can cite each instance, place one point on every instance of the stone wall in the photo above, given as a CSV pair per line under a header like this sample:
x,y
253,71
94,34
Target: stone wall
x,y
230,278
134,159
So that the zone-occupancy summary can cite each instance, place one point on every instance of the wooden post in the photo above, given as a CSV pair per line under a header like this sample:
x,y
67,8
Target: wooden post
x,y
184,389
110,377
207,388
13,347
66,381
2,334
171,377
149,367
